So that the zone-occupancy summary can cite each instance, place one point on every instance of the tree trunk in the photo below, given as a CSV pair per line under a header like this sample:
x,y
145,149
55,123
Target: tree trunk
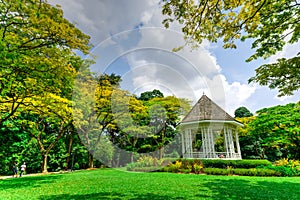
x,y
44,163
131,157
91,160
161,152
69,152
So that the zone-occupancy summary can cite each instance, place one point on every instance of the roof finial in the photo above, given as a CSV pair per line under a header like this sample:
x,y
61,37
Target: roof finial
x,y
203,93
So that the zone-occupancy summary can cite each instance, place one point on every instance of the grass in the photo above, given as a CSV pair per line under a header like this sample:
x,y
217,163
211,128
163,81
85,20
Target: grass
x,y
116,184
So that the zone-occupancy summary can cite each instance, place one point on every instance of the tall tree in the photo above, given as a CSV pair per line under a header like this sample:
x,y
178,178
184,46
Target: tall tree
x,y
270,24
166,117
47,122
93,109
278,129
146,96
37,53
242,112
130,118
251,144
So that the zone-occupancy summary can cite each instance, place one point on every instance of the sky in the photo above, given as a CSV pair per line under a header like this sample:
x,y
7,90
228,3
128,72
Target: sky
x,y
130,40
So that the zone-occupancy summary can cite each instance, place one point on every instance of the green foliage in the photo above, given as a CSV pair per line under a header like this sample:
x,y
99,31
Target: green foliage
x,y
242,112
37,55
31,155
283,75
148,163
146,96
242,171
256,172
269,24
216,171
284,171
13,140
286,167
220,163
277,129
38,65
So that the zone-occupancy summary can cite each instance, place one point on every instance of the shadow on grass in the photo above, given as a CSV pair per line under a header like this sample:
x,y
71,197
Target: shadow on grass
x,y
254,189
107,195
30,181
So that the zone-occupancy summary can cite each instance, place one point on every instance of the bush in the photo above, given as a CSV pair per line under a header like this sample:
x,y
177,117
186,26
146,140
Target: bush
x,y
256,172
185,171
148,163
283,170
215,171
176,166
241,172
246,164
197,168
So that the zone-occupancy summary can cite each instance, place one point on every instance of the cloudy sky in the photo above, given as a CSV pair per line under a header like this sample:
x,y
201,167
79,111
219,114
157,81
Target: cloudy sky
x,y
129,40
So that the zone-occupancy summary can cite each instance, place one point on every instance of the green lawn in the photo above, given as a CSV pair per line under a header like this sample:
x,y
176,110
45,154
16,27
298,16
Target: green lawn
x,y
115,184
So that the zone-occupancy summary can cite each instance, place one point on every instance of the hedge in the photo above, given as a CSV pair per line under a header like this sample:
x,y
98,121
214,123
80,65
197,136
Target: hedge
x,y
242,172
220,163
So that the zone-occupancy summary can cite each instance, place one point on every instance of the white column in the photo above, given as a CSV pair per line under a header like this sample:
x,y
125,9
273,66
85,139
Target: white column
x,y
206,143
188,143
238,144
225,142
231,144
203,141
182,143
212,143
186,134
191,143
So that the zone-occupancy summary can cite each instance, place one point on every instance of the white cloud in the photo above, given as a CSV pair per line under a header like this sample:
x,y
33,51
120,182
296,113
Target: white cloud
x,y
237,94
132,30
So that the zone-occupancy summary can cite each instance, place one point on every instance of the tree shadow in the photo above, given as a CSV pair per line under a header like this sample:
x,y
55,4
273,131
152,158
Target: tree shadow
x,y
109,195
29,181
221,189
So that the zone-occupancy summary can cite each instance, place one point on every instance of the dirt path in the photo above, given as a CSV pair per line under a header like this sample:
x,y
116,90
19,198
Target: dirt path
x,y
35,174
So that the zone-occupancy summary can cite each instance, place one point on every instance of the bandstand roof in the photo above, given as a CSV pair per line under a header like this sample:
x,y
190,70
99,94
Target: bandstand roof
x,y
206,109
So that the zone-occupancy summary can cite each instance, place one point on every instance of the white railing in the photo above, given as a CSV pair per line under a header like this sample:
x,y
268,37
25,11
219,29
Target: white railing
x,y
211,155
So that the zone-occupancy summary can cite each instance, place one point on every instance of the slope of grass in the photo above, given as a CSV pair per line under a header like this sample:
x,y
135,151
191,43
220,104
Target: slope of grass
x,y
114,184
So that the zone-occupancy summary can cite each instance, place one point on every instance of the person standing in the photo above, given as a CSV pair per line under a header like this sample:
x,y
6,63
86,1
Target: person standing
x,y
15,170
23,168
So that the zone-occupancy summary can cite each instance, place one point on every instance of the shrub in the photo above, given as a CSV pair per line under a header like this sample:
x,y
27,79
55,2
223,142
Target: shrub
x,y
247,164
285,167
148,163
185,171
175,167
256,172
197,168
215,171
230,170
284,171
294,164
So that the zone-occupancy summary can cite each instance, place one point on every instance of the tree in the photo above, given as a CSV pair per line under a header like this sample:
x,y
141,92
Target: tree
x,y
278,129
13,140
251,144
146,96
92,109
37,53
145,126
47,122
164,114
269,24
130,118
242,112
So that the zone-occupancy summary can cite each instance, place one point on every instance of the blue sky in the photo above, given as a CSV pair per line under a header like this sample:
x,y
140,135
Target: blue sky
x,y
130,41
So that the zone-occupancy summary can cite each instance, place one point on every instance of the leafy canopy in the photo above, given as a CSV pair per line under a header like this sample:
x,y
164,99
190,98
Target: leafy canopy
x,y
271,24
278,128
37,54
242,112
